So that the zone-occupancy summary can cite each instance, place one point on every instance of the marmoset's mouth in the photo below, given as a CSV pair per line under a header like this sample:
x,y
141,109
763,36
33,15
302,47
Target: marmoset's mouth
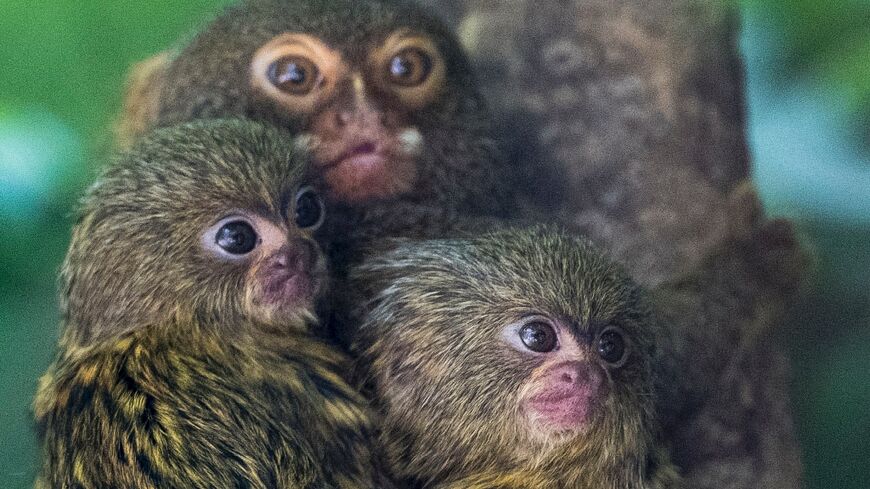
x,y
361,158
362,164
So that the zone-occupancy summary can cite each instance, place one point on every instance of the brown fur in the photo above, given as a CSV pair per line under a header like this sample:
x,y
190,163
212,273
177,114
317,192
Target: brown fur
x,y
430,317
141,98
633,114
172,371
210,77
626,119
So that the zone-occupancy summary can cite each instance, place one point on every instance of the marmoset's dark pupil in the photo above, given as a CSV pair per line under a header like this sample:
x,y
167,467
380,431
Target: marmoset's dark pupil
x,y
401,67
294,74
237,238
538,337
309,209
611,347
411,67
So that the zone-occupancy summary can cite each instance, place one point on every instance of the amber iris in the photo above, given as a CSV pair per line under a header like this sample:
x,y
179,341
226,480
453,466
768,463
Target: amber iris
x,y
296,75
410,67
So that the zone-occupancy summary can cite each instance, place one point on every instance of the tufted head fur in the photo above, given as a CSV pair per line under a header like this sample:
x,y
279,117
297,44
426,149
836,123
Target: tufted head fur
x,y
144,248
376,143
464,402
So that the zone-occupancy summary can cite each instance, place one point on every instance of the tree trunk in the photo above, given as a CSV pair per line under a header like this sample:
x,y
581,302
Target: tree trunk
x,y
625,118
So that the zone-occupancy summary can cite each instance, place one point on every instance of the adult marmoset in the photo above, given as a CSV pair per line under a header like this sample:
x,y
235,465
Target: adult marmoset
x,y
516,359
190,354
379,89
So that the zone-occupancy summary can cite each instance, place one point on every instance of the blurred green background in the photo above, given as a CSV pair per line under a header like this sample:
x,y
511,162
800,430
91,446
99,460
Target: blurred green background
x,y
62,64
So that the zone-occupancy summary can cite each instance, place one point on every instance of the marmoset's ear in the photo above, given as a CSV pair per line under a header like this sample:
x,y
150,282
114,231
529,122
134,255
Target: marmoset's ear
x,y
141,98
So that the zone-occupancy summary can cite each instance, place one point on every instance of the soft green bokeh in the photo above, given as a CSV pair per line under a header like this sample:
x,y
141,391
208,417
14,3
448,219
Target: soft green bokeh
x,y
63,65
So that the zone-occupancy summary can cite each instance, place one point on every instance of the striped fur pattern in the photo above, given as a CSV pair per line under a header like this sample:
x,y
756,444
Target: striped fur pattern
x,y
177,406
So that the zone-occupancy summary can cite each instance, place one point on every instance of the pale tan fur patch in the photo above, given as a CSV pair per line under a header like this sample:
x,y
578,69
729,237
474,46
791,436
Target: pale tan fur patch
x,y
141,98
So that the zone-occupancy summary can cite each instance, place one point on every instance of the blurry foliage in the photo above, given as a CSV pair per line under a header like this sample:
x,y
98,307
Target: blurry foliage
x,y
828,335
809,95
70,57
64,64
827,43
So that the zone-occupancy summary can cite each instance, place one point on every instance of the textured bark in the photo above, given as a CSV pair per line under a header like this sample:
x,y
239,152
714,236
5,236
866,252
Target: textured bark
x,y
626,118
